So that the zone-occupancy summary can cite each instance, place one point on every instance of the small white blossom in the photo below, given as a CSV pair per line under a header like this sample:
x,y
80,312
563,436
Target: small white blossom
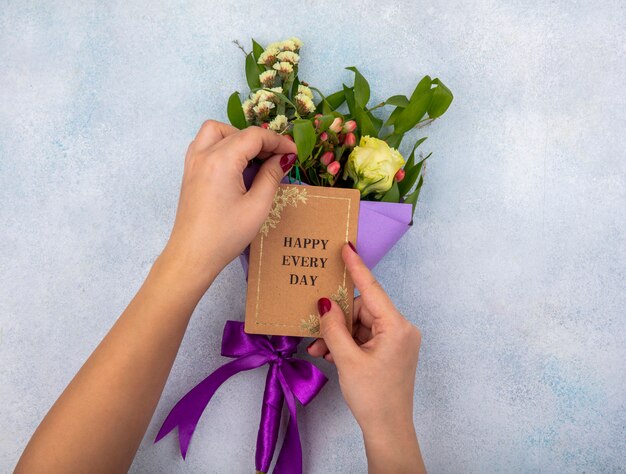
x,y
247,107
268,57
266,95
262,109
288,56
305,90
304,104
288,45
284,68
268,78
296,41
279,123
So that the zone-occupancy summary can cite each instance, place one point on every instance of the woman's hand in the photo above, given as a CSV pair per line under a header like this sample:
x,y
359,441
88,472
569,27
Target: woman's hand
x,y
376,366
217,218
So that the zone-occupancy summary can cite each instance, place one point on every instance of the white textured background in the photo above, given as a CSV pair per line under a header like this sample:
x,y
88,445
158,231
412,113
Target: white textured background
x,y
515,270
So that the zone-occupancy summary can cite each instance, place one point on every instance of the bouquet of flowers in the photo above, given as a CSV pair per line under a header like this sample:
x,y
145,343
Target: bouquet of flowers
x,y
341,139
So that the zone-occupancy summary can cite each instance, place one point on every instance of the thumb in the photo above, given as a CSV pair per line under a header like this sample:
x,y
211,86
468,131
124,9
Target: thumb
x,y
335,332
269,177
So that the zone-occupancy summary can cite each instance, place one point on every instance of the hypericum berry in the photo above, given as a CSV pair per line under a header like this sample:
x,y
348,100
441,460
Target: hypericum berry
x,y
333,168
399,175
349,126
265,125
323,136
327,158
336,125
349,140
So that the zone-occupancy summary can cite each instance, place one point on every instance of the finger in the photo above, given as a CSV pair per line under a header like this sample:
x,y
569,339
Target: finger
x,y
335,332
329,358
212,132
317,348
374,297
268,178
246,144
361,315
362,334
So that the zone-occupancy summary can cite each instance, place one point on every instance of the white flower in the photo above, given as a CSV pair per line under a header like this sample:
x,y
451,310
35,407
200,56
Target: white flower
x,y
372,166
288,45
296,41
268,78
305,90
279,123
268,57
284,68
266,95
304,104
276,46
288,56
248,111
262,110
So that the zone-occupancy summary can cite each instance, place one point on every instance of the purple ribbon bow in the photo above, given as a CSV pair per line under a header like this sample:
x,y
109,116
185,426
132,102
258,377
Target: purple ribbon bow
x,y
288,379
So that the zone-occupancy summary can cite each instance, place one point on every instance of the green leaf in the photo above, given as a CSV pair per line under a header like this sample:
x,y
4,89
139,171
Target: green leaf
x,y
411,159
378,123
304,136
412,113
325,121
349,94
252,72
393,195
398,101
394,140
422,86
361,88
442,98
294,87
331,102
412,198
365,123
257,49
393,117
411,175
235,112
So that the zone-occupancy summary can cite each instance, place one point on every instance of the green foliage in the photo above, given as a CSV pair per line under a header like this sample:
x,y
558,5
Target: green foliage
x,y
393,195
305,137
442,98
257,50
235,112
361,88
252,72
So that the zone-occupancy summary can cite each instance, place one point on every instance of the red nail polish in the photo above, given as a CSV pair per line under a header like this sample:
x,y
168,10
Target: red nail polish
x,y
287,161
323,306
352,247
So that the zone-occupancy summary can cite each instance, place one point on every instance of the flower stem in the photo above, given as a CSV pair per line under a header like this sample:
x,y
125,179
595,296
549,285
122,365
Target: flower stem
x,y
382,104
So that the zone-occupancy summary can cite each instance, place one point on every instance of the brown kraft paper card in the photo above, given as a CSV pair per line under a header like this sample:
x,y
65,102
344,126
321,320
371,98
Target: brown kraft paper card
x,y
295,259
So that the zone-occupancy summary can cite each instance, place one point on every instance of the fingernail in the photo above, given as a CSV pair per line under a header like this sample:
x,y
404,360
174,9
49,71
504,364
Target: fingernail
x,y
352,247
323,306
311,345
287,161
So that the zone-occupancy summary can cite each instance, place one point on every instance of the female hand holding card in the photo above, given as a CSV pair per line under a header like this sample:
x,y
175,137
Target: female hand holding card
x,y
217,217
376,365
